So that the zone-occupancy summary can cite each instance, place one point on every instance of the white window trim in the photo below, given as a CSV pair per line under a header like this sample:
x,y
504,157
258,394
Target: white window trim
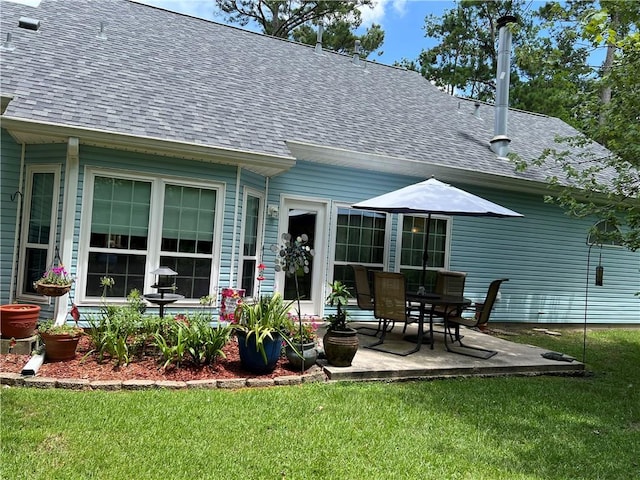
x,y
247,191
153,252
26,213
447,247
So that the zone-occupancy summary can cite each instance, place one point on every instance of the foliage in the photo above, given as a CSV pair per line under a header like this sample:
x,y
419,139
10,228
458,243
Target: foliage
x,y
55,276
192,338
306,332
339,298
606,184
50,328
542,425
263,319
121,330
297,21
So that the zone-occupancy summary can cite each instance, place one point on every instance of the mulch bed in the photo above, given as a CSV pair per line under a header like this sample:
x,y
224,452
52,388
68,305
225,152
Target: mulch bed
x,y
87,367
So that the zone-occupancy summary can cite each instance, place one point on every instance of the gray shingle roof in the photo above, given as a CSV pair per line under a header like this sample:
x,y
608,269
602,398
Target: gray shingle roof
x,y
166,75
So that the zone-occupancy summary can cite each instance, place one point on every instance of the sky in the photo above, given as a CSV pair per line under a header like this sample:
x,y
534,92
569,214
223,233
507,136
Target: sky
x,y
401,20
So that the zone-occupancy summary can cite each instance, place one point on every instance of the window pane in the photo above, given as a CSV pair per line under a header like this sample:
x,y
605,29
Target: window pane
x,y
128,272
40,214
188,219
359,239
194,275
120,214
251,225
412,249
248,280
36,265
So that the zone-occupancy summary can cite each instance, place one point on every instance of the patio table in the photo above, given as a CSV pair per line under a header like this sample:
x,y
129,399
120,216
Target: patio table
x,y
449,304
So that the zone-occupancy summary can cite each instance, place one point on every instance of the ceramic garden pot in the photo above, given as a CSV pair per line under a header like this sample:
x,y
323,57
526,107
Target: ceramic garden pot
x,y
18,320
309,355
251,357
340,346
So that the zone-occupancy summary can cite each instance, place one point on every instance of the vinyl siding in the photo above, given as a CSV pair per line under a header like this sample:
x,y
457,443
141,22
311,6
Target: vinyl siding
x,y
544,254
9,185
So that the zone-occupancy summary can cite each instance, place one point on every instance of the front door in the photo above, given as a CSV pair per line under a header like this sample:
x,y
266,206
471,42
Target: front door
x,y
299,217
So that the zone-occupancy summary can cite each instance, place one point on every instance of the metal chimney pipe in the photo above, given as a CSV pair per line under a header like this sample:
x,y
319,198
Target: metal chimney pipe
x,y
500,141
319,38
356,53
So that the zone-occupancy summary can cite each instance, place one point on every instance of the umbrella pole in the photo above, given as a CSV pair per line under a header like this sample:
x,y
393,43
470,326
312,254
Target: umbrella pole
x,y
425,255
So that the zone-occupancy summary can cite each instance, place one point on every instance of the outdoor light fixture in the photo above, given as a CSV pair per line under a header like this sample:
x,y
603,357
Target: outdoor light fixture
x,y
273,211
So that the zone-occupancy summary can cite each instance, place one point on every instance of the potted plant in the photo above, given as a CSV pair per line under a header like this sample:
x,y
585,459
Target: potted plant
x,y
261,328
60,341
301,349
340,342
18,320
55,282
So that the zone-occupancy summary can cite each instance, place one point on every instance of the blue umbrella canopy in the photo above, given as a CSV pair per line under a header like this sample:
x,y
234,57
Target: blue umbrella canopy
x,y
434,197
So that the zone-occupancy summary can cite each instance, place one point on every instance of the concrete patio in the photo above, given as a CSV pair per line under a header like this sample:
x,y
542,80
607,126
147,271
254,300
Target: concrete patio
x,y
512,359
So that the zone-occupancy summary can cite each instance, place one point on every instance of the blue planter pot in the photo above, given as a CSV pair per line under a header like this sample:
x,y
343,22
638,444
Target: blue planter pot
x,y
251,358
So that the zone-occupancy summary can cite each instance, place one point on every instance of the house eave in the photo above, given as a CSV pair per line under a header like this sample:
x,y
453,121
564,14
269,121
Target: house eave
x,y
414,168
37,132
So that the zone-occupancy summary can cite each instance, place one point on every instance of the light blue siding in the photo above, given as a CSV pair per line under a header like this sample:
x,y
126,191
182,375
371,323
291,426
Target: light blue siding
x,y
543,254
9,183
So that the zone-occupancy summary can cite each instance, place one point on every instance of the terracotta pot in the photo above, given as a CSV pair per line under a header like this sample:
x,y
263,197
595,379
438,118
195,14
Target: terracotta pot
x,y
60,347
340,346
18,320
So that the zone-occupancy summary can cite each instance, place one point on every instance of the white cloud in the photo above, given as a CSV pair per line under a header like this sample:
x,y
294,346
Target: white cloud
x,y
379,10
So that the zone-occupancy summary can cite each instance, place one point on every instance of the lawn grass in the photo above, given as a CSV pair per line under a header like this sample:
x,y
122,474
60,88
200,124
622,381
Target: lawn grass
x,y
480,428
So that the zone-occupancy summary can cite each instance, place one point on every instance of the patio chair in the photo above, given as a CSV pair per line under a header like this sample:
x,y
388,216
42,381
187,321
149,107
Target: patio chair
x,y
448,283
390,305
482,311
364,297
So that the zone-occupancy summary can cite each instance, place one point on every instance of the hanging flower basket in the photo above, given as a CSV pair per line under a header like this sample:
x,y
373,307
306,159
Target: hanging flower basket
x,y
52,290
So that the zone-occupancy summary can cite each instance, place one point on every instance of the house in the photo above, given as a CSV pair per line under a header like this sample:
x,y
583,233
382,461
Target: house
x,y
134,138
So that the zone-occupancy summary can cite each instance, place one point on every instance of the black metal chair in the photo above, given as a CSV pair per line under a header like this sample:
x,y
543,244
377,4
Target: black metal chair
x,y
482,311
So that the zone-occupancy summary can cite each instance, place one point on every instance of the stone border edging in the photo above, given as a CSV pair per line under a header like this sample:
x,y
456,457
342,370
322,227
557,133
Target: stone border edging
x,y
19,380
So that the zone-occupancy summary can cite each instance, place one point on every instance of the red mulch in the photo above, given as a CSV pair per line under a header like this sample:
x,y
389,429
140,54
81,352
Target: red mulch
x,y
146,368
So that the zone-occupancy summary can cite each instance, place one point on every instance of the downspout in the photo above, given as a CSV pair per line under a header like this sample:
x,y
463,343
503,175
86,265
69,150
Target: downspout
x,y
234,241
500,142
71,175
16,237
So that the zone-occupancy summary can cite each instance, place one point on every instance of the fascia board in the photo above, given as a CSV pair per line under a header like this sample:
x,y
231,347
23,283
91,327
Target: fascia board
x,y
29,131
414,168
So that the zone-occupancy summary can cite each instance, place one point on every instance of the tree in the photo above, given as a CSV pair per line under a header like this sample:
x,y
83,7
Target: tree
x,y
298,20
608,186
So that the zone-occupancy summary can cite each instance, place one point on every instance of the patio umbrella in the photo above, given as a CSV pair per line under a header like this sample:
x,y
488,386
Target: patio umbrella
x,y
434,197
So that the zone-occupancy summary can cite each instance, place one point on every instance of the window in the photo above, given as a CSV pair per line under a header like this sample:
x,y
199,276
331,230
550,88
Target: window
x,y
39,220
187,237
360,238
251,231
604,233
412,236
139,224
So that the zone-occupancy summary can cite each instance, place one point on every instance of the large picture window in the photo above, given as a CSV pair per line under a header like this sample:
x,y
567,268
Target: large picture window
x,y
139,224
360,239
412,240
38,225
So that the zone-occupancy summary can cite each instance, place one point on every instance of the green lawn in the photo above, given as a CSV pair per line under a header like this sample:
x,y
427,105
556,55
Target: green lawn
x,y
483,428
